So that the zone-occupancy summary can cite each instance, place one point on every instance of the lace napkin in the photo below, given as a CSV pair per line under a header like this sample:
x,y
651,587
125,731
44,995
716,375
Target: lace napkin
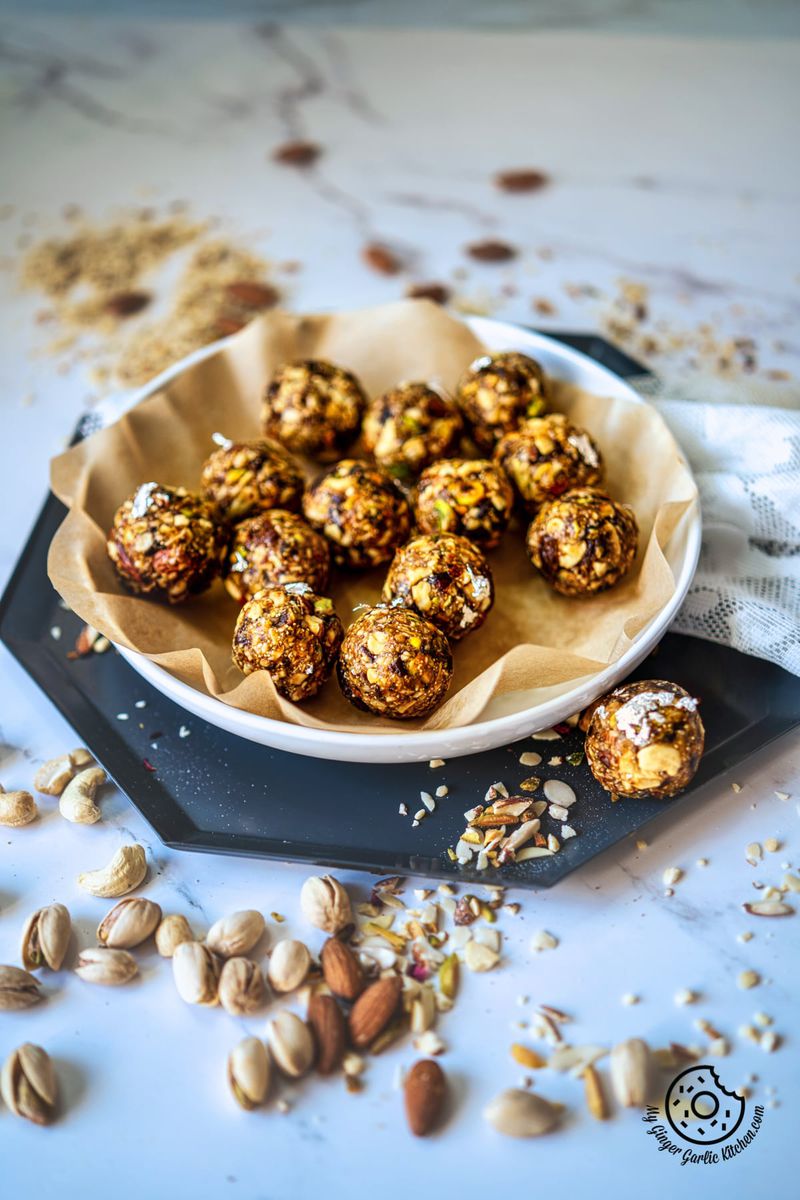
x,y
744,449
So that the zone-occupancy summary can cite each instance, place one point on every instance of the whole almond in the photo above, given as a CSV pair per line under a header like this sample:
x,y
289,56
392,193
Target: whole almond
x,y
373,1010
425,1089
327,1025
341,969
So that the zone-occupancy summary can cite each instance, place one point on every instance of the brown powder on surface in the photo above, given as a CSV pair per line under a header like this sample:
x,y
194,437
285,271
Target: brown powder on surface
x,y
99,309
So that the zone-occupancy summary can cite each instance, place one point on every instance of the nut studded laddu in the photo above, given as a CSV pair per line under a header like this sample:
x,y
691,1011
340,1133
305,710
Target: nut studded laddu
x,y
446,579
165,543
313,408
292,634
546,457
410,427
361,512
395,663
497,392
275,547
471,497
245,478
645,739
583,542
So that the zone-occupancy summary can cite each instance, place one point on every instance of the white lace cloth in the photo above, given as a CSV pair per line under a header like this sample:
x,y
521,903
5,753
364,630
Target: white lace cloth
x,y
746,460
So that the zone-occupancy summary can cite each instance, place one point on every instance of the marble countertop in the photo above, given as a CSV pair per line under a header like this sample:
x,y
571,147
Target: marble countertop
x,y
672,164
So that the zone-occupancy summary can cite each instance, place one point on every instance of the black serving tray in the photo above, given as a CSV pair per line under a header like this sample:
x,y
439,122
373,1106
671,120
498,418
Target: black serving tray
x,y
213,791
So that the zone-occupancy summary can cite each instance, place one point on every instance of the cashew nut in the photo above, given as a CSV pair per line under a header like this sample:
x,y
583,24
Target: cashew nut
x,y
17,808
77,800
54,775
125,872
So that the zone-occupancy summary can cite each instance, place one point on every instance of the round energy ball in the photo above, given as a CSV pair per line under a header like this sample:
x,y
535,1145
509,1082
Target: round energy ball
x,y
275,547
444,578
313,408
497,392
410,427
645,739
546,457
395,663
166,543
291,633
361,511
471,497
583,542
243,478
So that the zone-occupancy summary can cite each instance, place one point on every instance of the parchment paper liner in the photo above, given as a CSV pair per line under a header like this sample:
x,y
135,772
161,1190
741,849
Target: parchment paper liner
x,y
532,638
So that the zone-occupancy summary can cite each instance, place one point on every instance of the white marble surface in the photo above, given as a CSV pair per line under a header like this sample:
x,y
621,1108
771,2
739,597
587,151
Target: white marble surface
x,y
673,163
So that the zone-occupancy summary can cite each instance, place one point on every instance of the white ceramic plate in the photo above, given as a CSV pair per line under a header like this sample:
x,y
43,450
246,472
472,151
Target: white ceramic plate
x,y
505,718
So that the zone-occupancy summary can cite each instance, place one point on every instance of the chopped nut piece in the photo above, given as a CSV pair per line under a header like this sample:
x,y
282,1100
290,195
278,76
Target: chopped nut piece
x,y
736,787
753,853
719,1047
442,790
530,758
630,998
526,1057
558,792
542,940
595,1096
672,875
769,1041
771,845
436,762
685,996
748,979
479,957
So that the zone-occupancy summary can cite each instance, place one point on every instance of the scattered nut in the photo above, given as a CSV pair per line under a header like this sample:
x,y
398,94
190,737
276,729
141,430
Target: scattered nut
x,y
249,1073
236,934
341,969
595,1096
542,940
17,808
125,872
45,938
522,1114
109,968
748,979
373,1010
54,775
28,1084
289,965
18,989
77,800
325,903
196,970
291,1043
330,1033
479,957
129,923
630,1072
425,1091
241,987
171,933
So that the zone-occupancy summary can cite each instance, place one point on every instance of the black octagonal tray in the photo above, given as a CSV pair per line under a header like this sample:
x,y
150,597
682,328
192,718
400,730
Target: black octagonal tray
x,y
203,789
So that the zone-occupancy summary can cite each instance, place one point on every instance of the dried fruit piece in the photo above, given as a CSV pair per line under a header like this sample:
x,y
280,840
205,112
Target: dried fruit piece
x,y
373,1010
327,1024
517,1113
425,1091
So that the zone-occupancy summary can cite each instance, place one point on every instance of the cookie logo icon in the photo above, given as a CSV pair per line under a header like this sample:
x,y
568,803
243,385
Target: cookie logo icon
x,y
700,1109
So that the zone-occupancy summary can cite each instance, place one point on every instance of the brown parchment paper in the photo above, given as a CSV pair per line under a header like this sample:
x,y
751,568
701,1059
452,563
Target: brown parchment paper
x,y
532,638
